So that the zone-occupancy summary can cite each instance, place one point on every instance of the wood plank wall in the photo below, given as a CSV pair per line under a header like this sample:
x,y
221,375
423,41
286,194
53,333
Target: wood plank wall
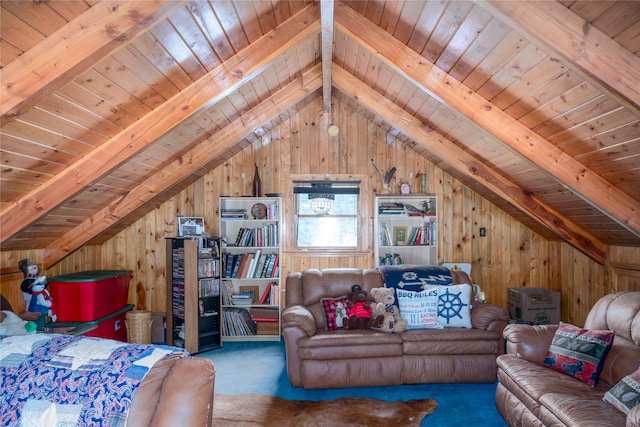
x,y
511,255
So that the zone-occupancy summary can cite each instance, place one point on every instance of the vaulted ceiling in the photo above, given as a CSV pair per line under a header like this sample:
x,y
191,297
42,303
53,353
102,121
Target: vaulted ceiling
x,y
110,107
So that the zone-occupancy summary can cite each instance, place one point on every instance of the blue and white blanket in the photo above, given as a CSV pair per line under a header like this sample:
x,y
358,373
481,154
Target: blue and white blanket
x,y
61,380
415,277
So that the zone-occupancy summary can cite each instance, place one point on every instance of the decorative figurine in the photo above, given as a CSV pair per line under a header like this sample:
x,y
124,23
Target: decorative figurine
x,y
35,294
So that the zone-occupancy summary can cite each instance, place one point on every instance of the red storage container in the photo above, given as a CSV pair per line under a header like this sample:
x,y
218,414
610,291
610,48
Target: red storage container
x,y
89,295
112,327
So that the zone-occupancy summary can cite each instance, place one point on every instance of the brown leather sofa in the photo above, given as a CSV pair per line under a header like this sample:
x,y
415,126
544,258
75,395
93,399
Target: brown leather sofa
x,y
317,358
177,391
530,394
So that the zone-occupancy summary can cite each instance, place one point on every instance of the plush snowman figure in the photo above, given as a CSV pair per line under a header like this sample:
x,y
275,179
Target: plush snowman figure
x,y
41,302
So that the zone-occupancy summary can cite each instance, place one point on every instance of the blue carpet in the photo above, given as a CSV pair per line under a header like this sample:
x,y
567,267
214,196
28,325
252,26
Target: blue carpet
x,y
259,367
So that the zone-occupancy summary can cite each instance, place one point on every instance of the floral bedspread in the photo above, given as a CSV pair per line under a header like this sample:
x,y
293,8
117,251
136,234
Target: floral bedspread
x,y
61,380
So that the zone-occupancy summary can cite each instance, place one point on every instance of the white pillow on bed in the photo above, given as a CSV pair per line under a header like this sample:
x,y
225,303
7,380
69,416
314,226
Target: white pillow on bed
x,y
12,324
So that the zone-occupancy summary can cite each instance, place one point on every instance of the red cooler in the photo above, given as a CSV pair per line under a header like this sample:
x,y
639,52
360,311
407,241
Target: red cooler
x,y
87,296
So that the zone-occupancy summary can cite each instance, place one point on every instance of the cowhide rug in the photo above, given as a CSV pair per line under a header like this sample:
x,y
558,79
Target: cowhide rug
x,y
266,411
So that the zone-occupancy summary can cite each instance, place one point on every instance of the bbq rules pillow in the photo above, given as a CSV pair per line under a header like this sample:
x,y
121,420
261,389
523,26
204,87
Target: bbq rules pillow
x,y
579,352
451,307
419,309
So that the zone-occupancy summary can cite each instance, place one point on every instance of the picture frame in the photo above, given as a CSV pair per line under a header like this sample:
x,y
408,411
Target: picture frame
x,y
190,226
253,289
400,235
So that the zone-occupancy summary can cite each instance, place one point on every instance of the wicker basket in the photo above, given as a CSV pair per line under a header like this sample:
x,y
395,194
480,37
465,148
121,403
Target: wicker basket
x,y
139,326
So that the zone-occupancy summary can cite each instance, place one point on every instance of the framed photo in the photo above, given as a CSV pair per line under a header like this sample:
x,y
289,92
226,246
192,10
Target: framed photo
x,y
255,290
190,226
400,235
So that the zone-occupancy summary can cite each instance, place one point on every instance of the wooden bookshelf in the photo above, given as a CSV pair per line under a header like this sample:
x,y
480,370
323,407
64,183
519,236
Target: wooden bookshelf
x,y
193,293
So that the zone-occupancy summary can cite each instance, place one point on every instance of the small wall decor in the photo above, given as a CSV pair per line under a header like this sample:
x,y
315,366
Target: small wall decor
x,y
190,226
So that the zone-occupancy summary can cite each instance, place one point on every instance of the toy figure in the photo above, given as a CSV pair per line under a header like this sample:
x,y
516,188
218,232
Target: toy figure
x,y
383,305
359,316
35,293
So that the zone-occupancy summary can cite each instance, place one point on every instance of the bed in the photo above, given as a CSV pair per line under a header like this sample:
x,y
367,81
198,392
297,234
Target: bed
x,y
59,380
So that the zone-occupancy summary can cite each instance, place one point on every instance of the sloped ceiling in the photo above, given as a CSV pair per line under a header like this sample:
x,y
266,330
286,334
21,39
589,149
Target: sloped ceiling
x,y
109,107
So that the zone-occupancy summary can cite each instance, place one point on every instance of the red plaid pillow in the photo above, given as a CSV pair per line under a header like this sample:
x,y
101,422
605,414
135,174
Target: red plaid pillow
x,y
331,309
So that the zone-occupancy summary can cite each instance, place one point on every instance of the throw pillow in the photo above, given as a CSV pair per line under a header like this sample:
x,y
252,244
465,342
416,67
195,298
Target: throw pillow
x,y
454,308
579,352
333,309
419,309
626,394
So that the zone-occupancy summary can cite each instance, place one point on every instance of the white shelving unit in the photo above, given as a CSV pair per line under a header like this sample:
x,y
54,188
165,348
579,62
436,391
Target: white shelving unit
x,y
252,229
407,229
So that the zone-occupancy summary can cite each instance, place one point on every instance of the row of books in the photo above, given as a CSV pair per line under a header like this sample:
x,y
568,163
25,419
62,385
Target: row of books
x,y
237,322
233,214
241,213
251,265
402,209
423,235
270,295
251,321
266,319
267,235
391,208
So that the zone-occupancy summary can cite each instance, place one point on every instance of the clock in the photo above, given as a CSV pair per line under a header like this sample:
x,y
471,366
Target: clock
x,y
405,188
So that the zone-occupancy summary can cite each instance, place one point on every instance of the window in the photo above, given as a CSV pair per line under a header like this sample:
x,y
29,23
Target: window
x,y
327,214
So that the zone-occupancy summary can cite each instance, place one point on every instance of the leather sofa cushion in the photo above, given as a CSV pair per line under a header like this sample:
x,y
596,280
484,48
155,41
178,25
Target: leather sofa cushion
x,y
619,312
452,348
449,334
623,358
461,368
320,374
579,410
529,381
343,344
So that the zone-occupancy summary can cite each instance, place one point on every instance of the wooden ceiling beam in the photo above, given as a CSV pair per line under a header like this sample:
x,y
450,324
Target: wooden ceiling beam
x,y
185,165
598,58
212,87
326,19
437,83
466,164
74,48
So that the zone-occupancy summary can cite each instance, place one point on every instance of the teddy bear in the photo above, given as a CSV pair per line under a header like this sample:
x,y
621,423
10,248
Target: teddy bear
x,y
383,305
12,324
359,315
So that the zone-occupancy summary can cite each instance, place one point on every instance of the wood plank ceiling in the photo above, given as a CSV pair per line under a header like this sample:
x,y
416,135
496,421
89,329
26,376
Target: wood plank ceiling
x,y
110,107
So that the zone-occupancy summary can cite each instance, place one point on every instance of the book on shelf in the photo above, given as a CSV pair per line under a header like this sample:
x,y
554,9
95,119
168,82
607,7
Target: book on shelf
x,y
233,214
265,298
385,235
267,328
255,259
259,267
243,298
265,314
237,322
